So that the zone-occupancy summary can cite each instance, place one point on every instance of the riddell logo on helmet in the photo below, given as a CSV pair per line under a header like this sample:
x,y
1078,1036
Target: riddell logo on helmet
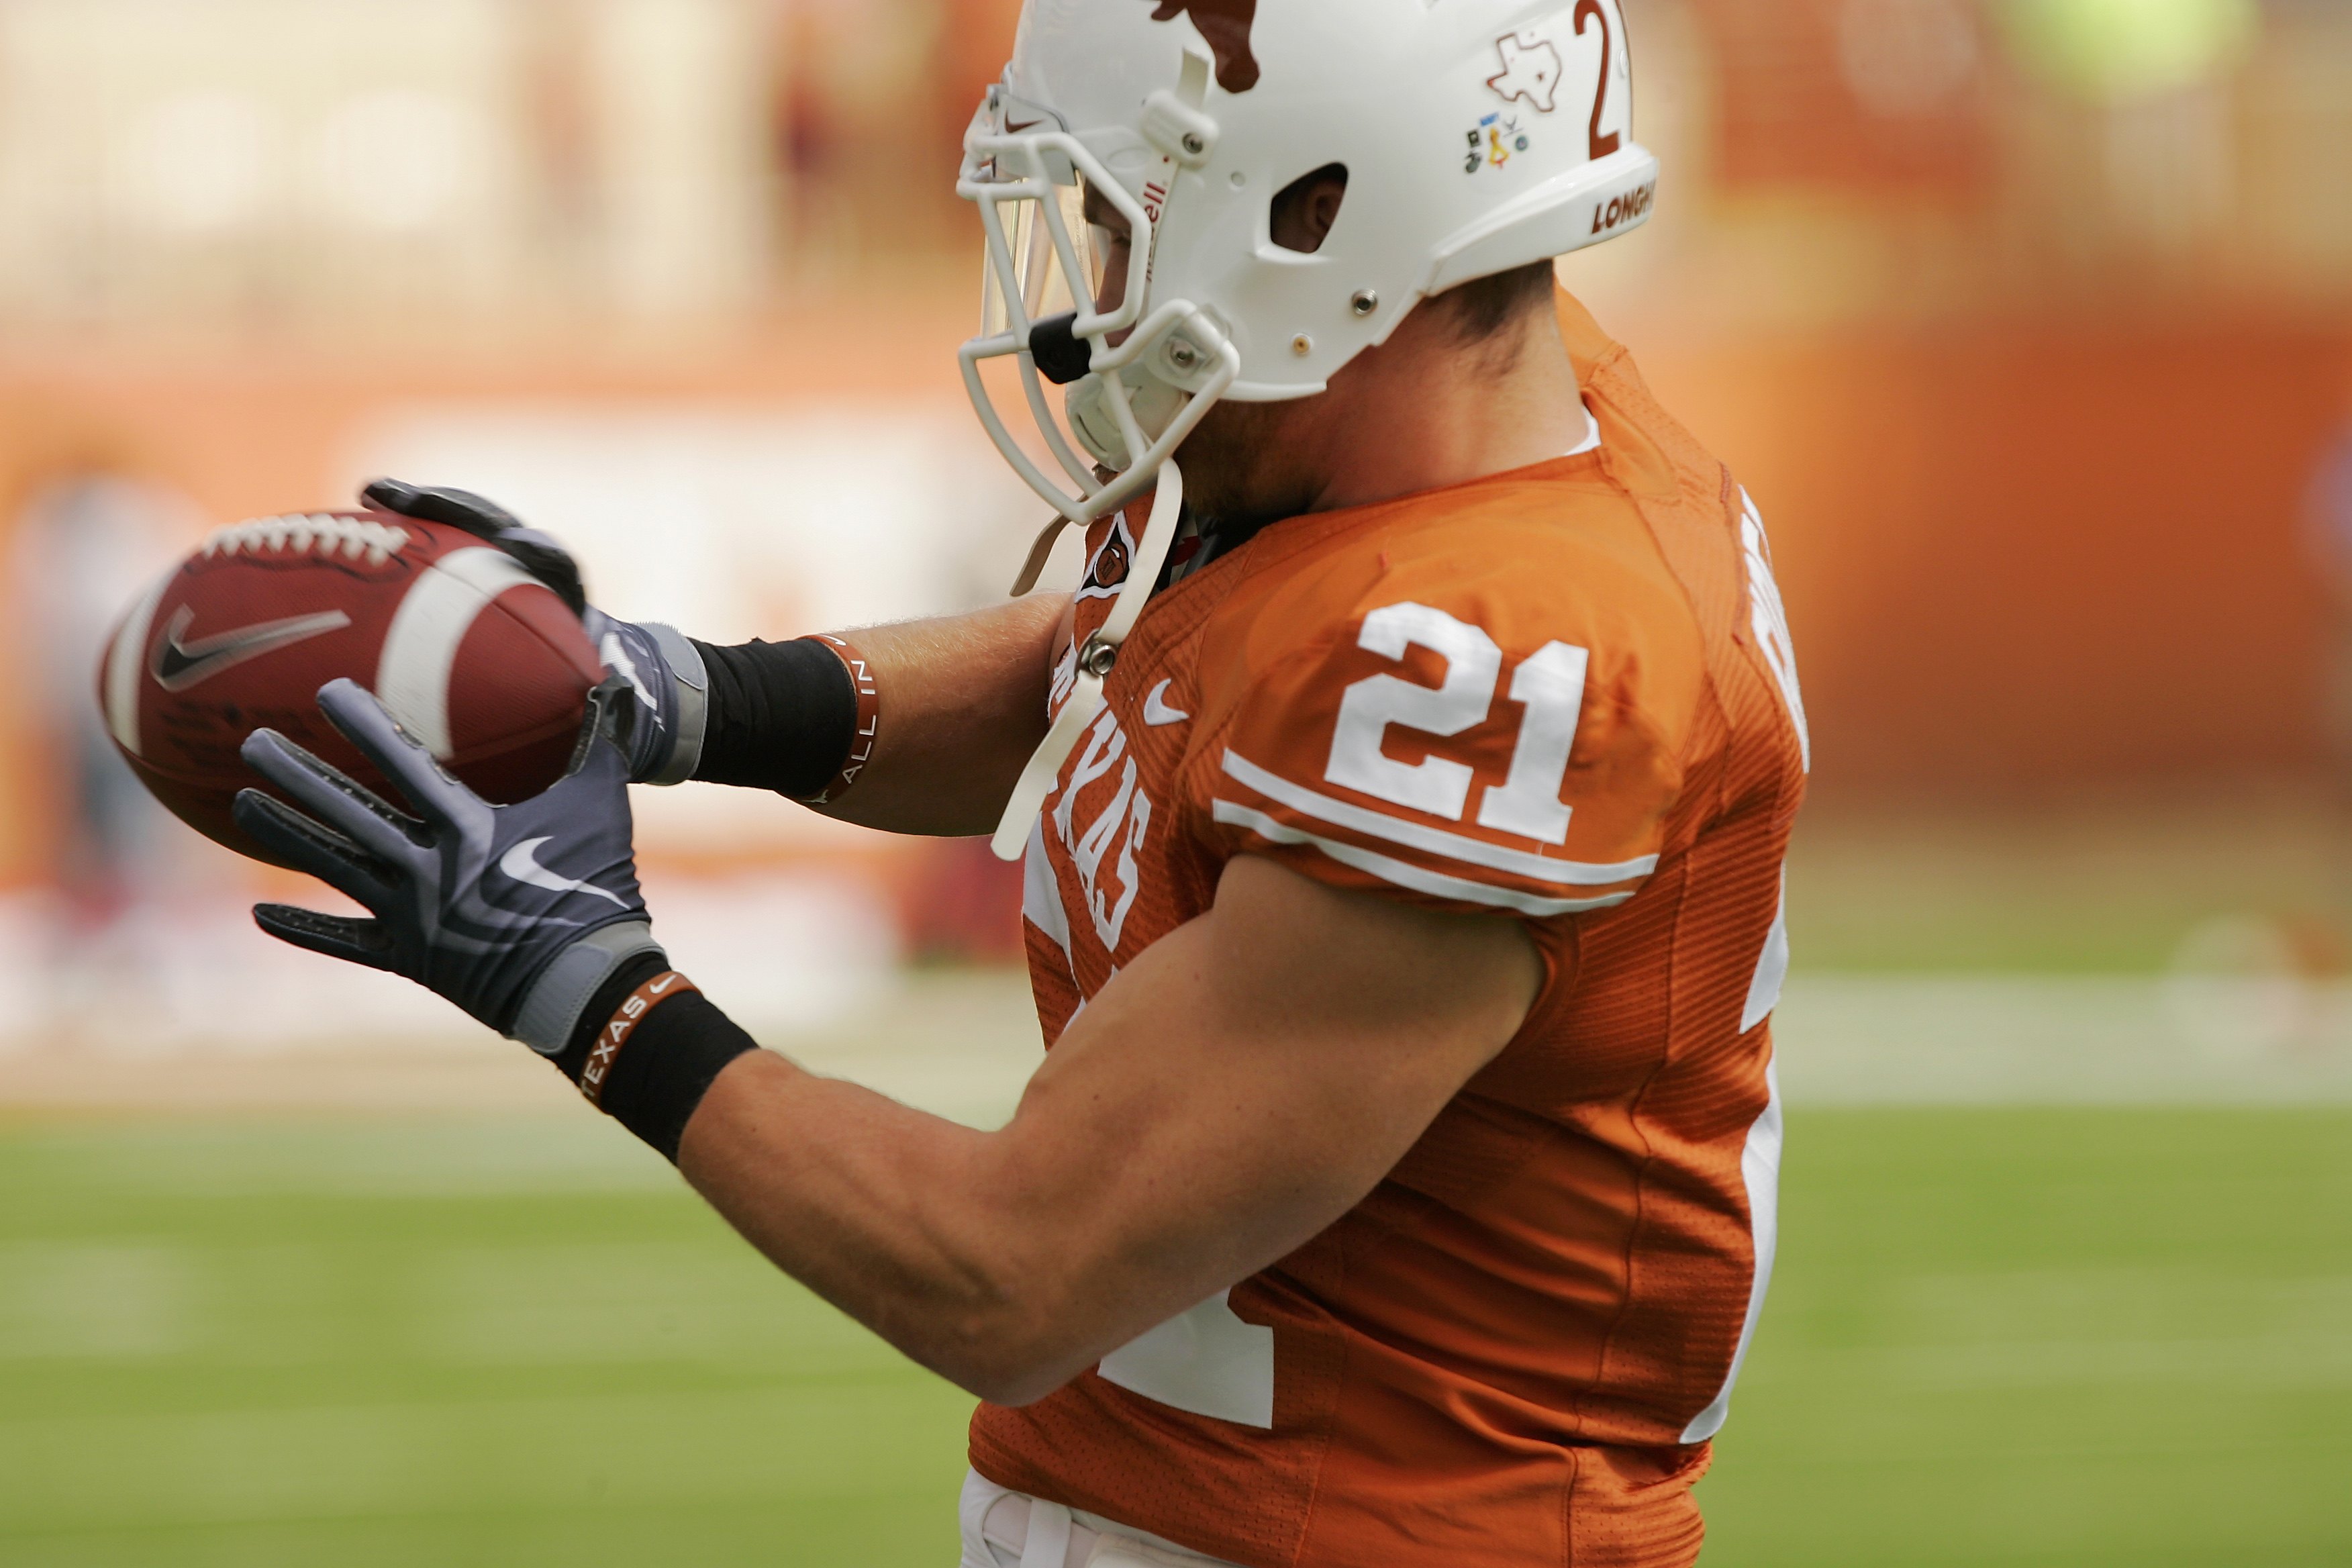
x,y
1624,209
1225,26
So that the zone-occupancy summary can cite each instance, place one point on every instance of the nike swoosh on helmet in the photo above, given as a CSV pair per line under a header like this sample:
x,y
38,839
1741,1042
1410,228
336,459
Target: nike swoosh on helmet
x,y
180,664
521,863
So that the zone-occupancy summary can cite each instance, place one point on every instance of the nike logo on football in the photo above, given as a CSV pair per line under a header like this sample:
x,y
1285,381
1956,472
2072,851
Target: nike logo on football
x,y
521,863
1156,709
180,664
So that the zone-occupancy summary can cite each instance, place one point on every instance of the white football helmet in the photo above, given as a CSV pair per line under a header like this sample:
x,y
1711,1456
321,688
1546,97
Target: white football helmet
x,y
1477,136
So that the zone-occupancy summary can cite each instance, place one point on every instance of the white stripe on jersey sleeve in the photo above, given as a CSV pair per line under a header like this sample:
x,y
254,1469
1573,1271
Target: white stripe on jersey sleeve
x,y
1433,841
1405,875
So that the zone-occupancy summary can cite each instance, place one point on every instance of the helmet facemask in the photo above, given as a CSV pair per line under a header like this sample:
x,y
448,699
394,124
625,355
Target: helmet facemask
x,y
1140,375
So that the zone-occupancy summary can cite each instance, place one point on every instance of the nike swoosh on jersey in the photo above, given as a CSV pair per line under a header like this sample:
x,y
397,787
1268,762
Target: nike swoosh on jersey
x,y
180,664
1156,709
521,863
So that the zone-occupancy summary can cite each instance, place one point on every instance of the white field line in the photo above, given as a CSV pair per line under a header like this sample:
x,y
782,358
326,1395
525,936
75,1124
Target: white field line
x,y
2063,1039
964,1043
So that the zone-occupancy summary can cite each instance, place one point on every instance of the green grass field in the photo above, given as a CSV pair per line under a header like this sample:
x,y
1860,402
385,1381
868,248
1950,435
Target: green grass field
x,y
2084,1337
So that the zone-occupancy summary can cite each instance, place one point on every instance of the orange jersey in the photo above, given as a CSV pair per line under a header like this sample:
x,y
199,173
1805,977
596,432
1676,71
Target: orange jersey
x,y
1564,696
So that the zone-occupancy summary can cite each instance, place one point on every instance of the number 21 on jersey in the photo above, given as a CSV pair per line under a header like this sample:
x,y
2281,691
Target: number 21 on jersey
x,y
1548,685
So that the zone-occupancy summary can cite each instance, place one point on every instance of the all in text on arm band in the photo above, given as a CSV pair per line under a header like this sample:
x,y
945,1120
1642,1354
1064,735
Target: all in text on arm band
x,y
868,727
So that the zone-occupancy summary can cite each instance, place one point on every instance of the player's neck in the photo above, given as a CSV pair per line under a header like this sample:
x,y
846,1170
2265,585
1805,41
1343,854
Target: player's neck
x,y
1422,412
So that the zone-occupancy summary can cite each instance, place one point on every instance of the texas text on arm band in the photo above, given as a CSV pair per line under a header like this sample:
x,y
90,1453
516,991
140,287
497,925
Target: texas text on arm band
x,y
605,1050
648,1049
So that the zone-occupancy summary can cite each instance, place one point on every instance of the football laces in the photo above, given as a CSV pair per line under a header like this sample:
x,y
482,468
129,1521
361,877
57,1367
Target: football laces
x,y
323,533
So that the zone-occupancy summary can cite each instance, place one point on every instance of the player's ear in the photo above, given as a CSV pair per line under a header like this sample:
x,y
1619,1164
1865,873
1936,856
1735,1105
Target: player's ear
x,y
1304,210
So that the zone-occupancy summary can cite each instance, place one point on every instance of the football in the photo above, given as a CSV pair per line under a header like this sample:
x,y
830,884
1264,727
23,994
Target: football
x,y
475,658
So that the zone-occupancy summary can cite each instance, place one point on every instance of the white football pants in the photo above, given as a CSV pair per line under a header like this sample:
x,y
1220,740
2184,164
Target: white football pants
x,y
1005,1529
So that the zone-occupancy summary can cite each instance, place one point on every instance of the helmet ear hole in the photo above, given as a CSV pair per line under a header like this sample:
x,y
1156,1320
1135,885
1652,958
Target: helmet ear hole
x,y
1301,215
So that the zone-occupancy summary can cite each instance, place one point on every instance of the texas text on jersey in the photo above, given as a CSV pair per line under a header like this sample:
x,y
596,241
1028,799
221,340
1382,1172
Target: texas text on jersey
x,y
1564,694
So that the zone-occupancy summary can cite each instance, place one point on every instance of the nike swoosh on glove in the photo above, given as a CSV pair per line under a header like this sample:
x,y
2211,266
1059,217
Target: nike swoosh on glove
x,y
515,914
660,727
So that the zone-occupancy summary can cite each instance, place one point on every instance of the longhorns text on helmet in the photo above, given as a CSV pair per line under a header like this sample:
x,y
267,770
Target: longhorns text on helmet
x,y
1477,136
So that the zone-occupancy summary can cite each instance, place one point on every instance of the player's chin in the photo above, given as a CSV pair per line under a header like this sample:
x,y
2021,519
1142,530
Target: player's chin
x,y
1237,465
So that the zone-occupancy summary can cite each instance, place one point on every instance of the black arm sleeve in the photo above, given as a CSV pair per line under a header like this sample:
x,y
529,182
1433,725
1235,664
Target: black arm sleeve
x,y
669,1064
781,716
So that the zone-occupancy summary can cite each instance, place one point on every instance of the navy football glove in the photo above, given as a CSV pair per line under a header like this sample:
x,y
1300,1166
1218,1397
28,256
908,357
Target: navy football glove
x,y
517,913
660,727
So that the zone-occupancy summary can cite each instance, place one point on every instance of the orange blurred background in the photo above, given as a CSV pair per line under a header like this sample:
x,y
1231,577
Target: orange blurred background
x,y
2028,322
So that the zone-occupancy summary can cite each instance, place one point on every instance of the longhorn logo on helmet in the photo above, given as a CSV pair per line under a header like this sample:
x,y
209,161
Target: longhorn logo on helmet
x,y
1224,24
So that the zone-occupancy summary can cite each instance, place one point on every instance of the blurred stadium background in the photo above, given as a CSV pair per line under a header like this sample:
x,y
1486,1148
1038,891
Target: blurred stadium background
x,y
2028,321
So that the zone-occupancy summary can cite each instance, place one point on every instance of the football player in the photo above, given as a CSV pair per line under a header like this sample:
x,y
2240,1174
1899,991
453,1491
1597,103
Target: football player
x,y
1403,795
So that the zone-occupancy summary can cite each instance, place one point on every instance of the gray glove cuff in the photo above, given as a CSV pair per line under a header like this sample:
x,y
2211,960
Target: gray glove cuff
x,y
693,683
550,1010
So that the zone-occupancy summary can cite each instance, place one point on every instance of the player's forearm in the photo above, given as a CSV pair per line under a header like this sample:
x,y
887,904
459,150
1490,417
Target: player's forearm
x,y
1239,1086
962,706
905,1221
920,728
1010,1261
1241,1083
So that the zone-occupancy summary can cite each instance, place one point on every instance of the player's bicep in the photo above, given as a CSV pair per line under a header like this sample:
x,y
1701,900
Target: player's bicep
x,y
1249,1078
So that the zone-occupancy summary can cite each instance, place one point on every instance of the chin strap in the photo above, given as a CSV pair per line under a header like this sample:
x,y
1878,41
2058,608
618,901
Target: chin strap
x,y
1039,550
1096,657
